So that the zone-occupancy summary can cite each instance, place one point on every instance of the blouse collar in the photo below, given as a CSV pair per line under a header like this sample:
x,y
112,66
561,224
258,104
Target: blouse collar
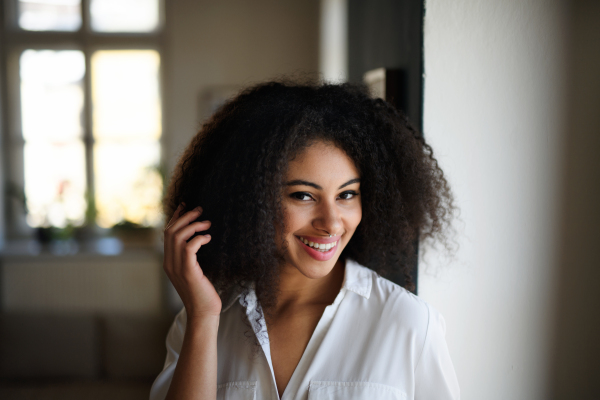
x,y
357,279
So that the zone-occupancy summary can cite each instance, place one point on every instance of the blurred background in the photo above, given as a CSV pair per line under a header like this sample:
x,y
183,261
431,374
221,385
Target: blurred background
x,y
98,98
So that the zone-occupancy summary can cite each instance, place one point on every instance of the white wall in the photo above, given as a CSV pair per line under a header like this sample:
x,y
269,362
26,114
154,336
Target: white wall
x,y
333,38
492,112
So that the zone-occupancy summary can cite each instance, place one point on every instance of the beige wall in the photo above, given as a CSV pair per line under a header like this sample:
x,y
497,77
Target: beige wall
x,y
230,43
83,284
493,113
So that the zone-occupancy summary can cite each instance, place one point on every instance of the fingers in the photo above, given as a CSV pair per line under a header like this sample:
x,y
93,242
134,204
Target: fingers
x,y
191,248
178,241
175,215
179,230
178,221
188,231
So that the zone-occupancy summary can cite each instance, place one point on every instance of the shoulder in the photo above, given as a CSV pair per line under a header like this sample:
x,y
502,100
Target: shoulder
x,y
395,304
406,327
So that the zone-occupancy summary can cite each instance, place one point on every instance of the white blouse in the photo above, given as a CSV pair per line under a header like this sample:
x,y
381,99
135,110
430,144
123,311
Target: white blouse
x,y
376,341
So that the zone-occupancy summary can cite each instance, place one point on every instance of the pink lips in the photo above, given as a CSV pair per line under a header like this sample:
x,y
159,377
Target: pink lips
x,y
318,255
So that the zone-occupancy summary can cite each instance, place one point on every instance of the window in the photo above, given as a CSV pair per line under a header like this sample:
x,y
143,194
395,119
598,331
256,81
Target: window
x,y
82,137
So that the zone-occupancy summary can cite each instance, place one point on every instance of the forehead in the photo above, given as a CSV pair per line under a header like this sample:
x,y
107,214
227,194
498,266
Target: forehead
x,y
322,162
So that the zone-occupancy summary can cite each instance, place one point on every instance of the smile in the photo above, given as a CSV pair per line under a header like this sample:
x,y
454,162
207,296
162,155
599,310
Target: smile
x,y
322,247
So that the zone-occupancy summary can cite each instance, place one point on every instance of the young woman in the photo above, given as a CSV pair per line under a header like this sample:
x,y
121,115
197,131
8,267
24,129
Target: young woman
x,y
287,207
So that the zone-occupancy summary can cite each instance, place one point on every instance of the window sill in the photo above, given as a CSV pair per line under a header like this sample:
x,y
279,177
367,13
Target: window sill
x,y
93,248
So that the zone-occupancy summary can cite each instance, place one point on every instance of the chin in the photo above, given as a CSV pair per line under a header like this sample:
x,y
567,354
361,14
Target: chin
x,y
315,269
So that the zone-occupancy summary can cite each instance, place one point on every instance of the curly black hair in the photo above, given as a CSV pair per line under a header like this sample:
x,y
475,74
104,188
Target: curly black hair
x,y
235,168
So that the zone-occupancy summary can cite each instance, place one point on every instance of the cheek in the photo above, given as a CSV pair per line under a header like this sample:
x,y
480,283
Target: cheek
x,y
357,218
353,217
293,220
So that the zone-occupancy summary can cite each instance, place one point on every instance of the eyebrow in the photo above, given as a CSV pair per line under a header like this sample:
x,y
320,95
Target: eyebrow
x,y
299,182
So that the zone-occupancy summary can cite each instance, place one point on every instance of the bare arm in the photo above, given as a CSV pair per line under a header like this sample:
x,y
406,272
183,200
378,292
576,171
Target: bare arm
x,y
195,375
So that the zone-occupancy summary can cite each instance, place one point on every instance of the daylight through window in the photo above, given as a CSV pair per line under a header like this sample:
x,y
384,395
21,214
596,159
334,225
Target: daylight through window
x,y
90,113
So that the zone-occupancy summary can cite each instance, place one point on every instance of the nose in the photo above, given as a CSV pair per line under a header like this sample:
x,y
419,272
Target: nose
x,y
328,219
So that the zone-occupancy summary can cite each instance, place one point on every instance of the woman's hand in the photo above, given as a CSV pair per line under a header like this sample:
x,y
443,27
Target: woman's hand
x,y
181,265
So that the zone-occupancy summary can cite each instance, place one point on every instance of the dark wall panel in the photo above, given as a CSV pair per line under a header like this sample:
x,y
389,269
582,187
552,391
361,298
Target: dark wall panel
x,y
389,34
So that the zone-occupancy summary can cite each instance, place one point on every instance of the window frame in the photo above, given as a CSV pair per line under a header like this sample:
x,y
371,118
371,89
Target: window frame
x,y
13,41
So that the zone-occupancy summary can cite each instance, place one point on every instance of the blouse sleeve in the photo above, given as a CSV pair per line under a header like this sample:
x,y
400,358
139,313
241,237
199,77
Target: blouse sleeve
x,y
161,384
435,378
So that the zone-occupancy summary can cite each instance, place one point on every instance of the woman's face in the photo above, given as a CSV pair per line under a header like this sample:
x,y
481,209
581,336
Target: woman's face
x,y
321,198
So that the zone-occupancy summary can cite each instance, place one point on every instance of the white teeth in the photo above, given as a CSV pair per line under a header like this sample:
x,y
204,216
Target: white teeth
x,y
319,246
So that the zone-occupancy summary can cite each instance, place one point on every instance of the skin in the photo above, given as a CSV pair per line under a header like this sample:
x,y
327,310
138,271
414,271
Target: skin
x,y
321,197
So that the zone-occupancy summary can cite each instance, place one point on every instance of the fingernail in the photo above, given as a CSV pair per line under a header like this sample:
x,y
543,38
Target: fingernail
x,y
207,236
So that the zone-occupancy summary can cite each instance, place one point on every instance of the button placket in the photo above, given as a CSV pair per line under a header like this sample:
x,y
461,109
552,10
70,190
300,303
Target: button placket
x,y
259,326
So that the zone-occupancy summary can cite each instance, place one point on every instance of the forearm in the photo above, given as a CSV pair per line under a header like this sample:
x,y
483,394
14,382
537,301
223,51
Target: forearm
x,y
195,376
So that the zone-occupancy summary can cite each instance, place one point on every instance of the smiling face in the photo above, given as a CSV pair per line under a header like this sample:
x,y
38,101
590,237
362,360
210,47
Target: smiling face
x,y
321,198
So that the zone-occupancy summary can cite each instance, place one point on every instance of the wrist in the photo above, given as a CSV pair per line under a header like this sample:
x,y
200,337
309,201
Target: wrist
x,y
202,323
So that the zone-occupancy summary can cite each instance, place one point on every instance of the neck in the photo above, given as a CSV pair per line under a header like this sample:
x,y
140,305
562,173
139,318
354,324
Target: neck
x,y
296,290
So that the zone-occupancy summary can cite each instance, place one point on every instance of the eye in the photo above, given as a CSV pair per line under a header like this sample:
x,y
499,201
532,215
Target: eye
x,y
347,195
303,196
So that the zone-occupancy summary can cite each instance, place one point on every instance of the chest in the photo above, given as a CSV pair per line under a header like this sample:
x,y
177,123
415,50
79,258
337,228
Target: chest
x,y
289,337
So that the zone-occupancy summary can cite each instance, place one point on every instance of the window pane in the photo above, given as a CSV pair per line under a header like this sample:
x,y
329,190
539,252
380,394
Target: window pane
x,y
127,126
51,114
128,182
52,94
124,15
55,183
125,92
50,15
